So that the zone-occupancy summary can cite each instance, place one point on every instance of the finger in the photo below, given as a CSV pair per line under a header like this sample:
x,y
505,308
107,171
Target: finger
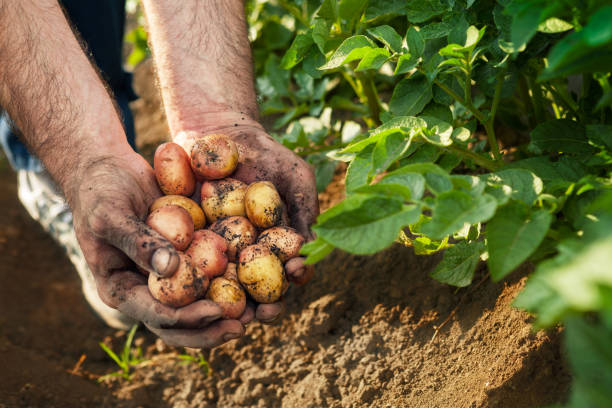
x,y
129,293
297,272
211,336
270,312
302,199
146,247
248,315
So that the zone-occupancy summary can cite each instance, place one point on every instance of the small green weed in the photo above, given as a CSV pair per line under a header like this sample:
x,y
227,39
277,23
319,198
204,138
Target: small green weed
x,y
126,359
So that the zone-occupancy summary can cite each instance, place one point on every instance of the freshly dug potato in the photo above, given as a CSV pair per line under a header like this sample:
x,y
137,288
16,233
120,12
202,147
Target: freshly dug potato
x,y
238,232
173,170
263,204
197,215
184,287
174,223
284,242
208,252
231,272
228,294
223,198
261,273
214,157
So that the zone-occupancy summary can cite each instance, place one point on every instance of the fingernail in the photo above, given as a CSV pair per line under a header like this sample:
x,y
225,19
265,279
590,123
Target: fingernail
x,y
231,336
160,260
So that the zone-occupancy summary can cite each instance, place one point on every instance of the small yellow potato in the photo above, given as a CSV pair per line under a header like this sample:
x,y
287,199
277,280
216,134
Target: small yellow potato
x,y
223,198
184,287
261,273
173,170
263,204
284,242
208,252
173,223
197,215
238,232
214,157
228,294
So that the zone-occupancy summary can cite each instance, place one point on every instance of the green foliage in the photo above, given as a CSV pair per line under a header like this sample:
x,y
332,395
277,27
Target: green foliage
x,y
198,360
126,359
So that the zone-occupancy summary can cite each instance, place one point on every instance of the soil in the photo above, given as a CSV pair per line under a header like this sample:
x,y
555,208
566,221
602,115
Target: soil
x,y
367,331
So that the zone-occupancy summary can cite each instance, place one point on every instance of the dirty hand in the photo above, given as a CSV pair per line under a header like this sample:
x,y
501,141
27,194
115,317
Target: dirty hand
x,y
263,158
110,200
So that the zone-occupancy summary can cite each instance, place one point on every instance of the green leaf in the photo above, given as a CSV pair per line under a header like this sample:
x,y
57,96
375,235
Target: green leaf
x,y
415,42
388,149
524,185
359,169
297,51
328,10
554,25
513,234
324,170
350,10
405,63
419,11
439,133
560,135
388,36
453,209
320,33
409,125
415,182
351,49
385,9
365,224
373,59
459,263
316,250
410,96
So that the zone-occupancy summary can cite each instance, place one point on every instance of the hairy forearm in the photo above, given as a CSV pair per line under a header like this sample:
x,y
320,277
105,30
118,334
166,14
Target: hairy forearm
x,y
203,59
51,91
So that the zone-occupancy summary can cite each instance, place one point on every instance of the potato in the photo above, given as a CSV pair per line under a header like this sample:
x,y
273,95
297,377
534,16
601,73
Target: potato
x,y
228,294
261,273
231,272
238,232
173,170
223,198
263,204
197,215
174,223
208,252
284,242
214,157
184,287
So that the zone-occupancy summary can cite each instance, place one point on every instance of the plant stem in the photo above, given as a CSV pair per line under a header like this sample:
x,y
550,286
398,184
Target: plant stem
x,y
538,100
530,110
475,157
357,87
370,95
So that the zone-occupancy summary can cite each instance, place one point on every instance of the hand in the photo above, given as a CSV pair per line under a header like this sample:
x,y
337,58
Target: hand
x,y
109,202
263,158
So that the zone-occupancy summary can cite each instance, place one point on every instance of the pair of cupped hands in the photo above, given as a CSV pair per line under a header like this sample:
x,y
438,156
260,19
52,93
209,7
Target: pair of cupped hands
x,y
112,198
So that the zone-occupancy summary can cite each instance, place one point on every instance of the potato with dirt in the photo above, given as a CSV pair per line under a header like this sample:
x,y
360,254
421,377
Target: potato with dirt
x,y
187,285
238,232
173,223
263,205
173,172
223,198
197,215
214,157
284,242
228,294
208,252
261,273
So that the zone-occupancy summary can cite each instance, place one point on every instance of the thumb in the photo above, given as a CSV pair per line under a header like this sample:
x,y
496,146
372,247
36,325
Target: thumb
x,y
143,245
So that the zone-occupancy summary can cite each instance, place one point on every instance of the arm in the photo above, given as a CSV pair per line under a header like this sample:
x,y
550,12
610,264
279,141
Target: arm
x,y
67,118
203,58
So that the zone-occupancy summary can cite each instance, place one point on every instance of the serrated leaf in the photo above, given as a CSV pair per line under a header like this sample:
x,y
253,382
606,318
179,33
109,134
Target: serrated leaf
x,y
365,224
316,250
459,263
351,49
410,96
452,209
388,36
513,234
373,59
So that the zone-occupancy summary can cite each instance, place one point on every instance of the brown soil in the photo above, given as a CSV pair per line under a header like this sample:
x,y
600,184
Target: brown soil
x,y
362,333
